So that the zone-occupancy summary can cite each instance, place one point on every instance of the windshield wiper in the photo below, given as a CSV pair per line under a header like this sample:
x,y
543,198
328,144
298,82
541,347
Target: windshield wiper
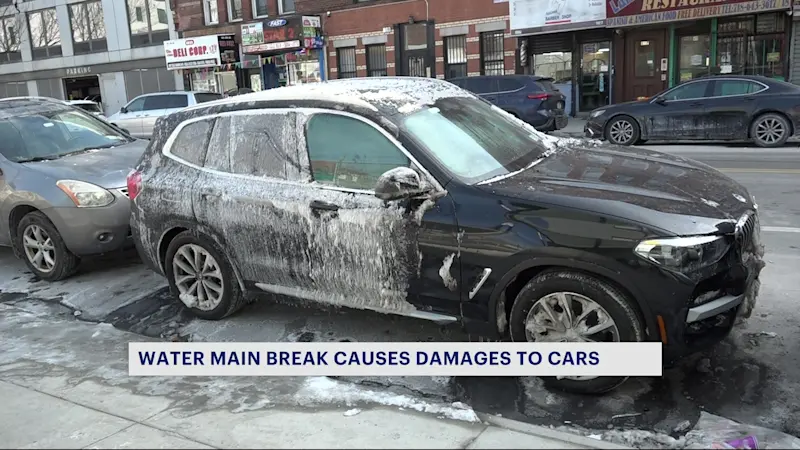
x,y
86,149
38,158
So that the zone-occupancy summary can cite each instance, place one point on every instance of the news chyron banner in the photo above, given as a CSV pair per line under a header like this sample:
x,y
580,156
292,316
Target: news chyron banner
x,y
394,359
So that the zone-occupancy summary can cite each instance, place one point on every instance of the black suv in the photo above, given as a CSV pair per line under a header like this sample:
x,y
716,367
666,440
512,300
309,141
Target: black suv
x,y
412,196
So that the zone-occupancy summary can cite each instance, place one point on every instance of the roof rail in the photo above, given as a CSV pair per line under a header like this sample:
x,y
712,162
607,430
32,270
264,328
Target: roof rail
x,y
33,97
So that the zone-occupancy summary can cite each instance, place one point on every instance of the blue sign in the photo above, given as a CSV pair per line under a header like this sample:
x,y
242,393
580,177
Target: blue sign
x,y
276,23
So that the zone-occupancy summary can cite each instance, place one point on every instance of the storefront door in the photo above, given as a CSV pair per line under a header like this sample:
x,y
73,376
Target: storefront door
x,y
416,58
644,51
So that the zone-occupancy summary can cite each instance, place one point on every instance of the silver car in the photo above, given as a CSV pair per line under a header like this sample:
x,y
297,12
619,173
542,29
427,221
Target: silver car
x,y
63,191
139,116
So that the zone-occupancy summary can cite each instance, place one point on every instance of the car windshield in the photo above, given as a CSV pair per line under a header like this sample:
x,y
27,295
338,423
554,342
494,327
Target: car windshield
x,y
472,139
90,107
51,135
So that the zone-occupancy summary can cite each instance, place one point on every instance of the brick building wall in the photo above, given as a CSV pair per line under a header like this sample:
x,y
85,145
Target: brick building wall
x,y
190,21
363,24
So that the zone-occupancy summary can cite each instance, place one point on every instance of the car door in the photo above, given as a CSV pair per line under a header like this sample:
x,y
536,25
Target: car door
x,y
510,96
130,118
679,112
730,108
248,193
396,256
485,87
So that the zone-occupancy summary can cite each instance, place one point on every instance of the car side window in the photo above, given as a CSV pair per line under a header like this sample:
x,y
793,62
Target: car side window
x,y
723,88
688,91
136,105
508,85
169,101
350,153
191,142
482,85
261,144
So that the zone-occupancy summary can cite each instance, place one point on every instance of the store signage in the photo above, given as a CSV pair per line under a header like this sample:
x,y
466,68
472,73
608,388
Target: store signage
x,y
272,46
72,71
311,21
253,33
636,12
276,23
313,42
526,14
202,51
228,49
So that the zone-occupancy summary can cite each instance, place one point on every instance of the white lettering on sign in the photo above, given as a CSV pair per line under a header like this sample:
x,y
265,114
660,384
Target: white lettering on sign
x,y
202,51
79,70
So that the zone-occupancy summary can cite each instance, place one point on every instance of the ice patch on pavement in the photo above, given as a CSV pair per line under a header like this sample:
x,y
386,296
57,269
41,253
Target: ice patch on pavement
x,y
318,390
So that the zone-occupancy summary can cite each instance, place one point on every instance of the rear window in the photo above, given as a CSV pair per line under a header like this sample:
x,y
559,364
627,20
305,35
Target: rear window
x,y
546,85
207,97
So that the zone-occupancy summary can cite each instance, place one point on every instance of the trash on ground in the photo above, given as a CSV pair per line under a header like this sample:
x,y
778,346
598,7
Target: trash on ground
x,y
712,431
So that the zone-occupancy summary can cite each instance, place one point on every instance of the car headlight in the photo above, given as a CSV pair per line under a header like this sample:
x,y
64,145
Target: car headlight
x,y
597,113
685,254
85,195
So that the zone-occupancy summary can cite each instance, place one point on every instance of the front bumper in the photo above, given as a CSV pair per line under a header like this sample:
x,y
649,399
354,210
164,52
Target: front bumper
x,y
594,129
90,231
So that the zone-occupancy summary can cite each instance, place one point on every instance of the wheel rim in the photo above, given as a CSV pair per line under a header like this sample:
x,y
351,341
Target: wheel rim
x,y
39,248
621,131
198,277
570,317
770,130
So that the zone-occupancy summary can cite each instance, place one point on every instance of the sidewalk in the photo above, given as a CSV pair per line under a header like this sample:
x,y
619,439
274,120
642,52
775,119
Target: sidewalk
x,y
65,385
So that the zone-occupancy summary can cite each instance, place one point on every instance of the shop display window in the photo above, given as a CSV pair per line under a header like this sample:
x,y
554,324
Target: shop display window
x,y
593,85
752,45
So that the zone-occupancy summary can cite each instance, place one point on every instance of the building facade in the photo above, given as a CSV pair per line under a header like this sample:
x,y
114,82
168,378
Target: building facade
x,y
106,50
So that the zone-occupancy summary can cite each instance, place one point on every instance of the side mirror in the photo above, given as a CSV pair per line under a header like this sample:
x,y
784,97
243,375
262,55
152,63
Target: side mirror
x,y
398,183
660,100
123,110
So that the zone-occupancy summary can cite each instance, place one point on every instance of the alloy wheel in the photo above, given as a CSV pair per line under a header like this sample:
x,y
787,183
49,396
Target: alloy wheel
x,y
770,130
570,317
621,131
39,248
198,277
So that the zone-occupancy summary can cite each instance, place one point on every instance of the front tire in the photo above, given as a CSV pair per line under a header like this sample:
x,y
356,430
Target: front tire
x,y
202,278
770,130
43,249
623,130
569,306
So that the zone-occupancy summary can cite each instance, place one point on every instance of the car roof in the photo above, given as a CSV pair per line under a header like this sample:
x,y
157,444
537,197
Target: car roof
x,y
23,106
509,76
387,94
81,102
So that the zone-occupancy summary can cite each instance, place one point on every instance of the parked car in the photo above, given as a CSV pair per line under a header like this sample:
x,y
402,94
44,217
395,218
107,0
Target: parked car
x,y
63,191
140,114
716,108
412,196
89,106
533,99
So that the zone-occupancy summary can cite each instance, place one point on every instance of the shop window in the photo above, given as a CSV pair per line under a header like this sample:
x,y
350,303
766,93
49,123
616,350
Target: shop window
x,y
88,27
235,12
190,144
724,88
752,45
302,68
555,65
211,12
455,56
45,35
492,57
285,6
9,40
260,8
693,57
148,22
346,62
645,60
376,60
350,153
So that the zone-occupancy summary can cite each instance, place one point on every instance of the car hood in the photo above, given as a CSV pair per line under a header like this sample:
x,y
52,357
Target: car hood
x,y
677,195
105,167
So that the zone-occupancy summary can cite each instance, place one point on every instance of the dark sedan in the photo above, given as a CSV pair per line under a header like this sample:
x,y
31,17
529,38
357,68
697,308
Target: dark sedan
x,y
719,108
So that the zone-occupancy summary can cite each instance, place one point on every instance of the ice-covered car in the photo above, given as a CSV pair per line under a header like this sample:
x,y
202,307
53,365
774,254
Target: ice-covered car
x,y
412,196
63,191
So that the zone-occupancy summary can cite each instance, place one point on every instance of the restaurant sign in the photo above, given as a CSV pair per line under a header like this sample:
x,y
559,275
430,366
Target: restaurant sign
x,y
622,13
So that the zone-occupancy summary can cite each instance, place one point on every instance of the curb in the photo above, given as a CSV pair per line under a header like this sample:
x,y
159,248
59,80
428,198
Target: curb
x,y
536,430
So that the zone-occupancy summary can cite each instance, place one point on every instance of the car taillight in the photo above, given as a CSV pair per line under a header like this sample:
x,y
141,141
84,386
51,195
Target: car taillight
x,y
544,96
134,184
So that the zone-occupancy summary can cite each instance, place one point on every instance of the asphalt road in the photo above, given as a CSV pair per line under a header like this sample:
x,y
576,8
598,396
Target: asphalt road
x,y
752,377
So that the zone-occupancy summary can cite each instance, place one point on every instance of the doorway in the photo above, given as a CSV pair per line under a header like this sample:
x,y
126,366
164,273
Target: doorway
x,y
416,55
83,88
594,81
645,75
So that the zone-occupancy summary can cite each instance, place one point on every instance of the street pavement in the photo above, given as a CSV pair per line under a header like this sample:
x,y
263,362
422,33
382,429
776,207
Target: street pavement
x,y
752,377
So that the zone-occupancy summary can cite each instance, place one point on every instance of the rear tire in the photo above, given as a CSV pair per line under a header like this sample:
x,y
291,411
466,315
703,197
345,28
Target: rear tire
x,y
770,130
201,277
42,248
579,291
623,130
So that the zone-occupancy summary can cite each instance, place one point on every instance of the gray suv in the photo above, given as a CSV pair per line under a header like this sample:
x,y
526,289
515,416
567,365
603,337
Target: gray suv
x,y
62,184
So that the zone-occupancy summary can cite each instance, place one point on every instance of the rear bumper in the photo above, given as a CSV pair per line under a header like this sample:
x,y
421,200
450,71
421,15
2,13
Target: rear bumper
x,y
550,122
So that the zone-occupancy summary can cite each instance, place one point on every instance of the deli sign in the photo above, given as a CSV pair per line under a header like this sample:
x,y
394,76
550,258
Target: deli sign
x,y
202,51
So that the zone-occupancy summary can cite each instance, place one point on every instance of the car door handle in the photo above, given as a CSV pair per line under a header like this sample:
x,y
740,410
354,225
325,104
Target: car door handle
x,y
325,206
209,193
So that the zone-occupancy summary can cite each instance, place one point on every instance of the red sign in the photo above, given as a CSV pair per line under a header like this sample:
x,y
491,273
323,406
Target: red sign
x,y
279,34
633,12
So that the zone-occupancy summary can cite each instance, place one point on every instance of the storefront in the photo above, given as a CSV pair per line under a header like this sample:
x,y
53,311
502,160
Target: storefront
x,y
570,43
665,42
290,51
209,63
